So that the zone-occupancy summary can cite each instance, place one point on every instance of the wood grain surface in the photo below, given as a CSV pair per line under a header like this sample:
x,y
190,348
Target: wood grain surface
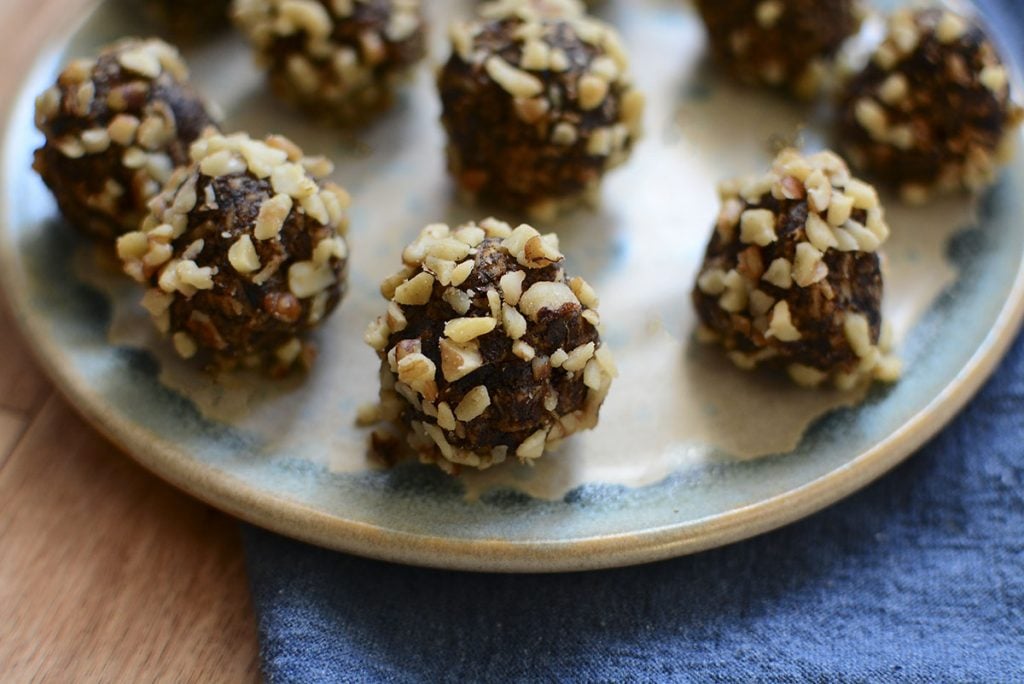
x,y
106,573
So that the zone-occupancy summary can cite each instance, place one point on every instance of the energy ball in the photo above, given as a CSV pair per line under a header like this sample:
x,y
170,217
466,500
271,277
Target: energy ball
x,y
187,19
932,110
243,253
339,59
792,275
779,43
488,350
116,127
538,105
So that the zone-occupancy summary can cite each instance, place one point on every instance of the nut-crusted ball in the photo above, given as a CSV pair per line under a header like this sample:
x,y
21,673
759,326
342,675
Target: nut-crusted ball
x,y
538,105
187,19
339,59
488,351
792,274
780,43
243,253
932,110
116,127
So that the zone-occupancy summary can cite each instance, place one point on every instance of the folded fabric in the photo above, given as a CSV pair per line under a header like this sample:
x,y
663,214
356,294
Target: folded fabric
x,y
920,577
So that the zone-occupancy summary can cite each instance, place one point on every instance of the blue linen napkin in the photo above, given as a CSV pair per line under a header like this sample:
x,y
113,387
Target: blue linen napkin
x,y
920,577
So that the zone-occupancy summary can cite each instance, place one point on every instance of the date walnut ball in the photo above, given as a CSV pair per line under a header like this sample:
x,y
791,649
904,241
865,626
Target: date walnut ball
x,y
243,253
488,350
338,59
792,275
932,110
116,127
780,43
538,105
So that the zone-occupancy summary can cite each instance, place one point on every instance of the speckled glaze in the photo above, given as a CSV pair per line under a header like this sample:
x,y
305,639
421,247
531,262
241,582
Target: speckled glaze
x,y
691,453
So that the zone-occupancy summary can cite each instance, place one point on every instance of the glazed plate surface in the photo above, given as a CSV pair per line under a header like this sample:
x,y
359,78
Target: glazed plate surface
x,y
690,454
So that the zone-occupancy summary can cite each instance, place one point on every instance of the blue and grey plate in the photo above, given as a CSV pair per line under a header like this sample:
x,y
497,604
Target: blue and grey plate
x,y
690,454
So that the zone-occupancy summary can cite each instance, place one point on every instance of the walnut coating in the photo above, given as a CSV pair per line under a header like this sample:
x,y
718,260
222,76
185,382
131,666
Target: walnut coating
x,y
538,105
792,276
487,350
243,253
779,43
338,59
932,110
116,127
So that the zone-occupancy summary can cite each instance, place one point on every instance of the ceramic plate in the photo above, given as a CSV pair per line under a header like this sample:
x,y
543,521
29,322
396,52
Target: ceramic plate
x,y
690,454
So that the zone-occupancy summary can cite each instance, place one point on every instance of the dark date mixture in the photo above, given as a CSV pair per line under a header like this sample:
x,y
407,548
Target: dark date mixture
x,y
788,44
116,127
243,253
932,111
488,350
538,105
338,59
792,275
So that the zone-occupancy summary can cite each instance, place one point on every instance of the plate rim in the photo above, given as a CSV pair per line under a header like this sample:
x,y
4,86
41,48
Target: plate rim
x,y
227,492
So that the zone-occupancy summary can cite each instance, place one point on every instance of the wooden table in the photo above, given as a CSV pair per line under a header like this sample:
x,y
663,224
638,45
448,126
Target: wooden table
x,y
106,573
